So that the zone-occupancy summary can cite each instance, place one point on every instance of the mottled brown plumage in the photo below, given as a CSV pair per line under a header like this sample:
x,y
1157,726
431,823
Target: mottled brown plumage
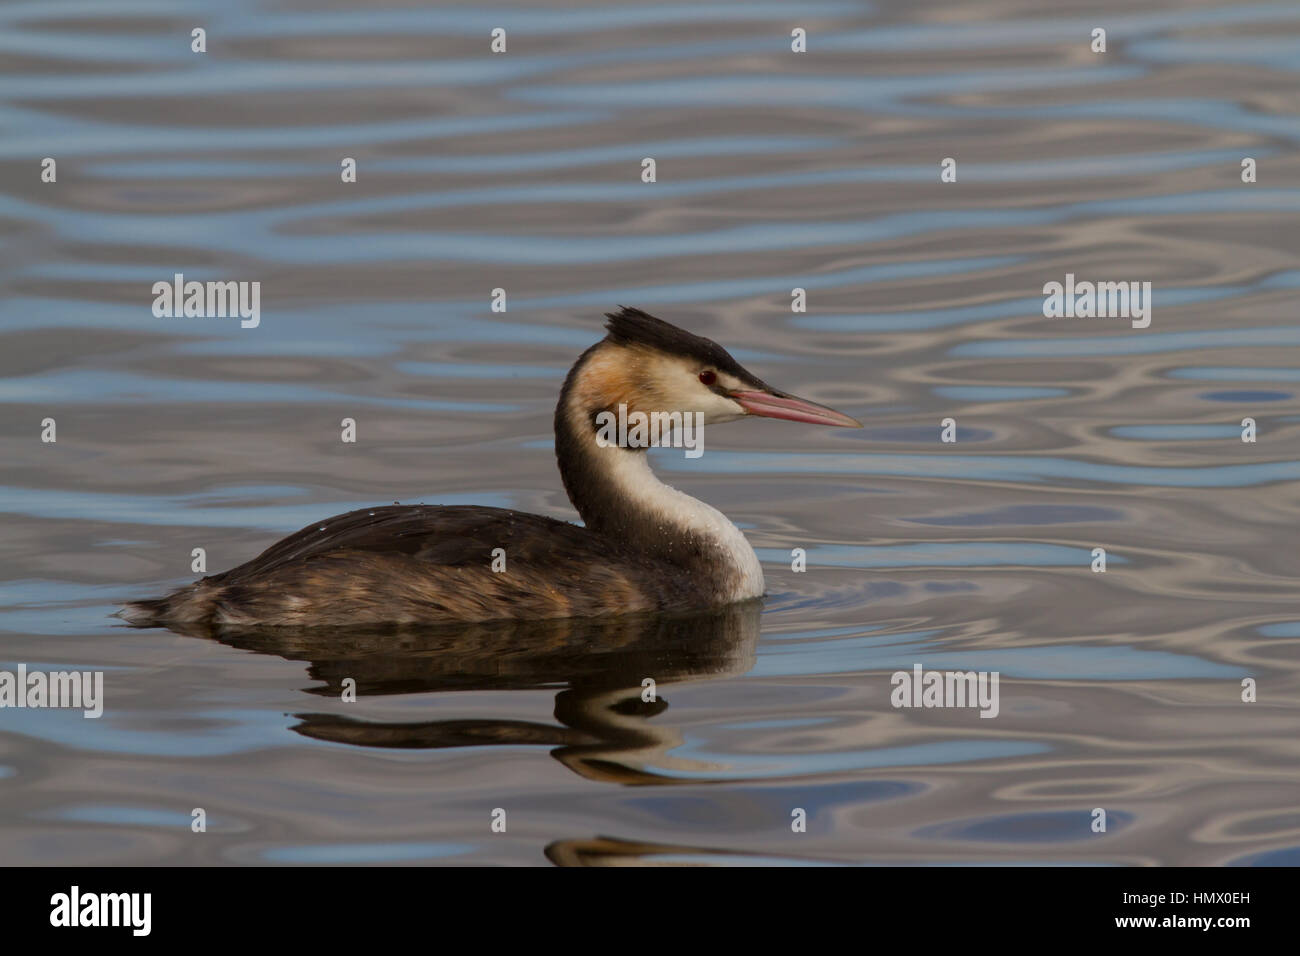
x,y
644,548
419,563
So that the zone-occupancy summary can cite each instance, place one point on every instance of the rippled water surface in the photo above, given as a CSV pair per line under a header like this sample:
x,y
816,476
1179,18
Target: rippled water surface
x,y
775,170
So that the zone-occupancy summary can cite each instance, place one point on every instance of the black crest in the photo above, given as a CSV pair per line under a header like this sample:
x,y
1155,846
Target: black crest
x,y
634,327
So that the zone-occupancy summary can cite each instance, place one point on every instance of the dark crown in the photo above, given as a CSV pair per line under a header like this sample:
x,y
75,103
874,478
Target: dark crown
x,y
634,327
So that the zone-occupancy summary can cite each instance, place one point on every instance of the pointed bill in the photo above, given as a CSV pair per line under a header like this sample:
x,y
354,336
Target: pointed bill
x,y
791,409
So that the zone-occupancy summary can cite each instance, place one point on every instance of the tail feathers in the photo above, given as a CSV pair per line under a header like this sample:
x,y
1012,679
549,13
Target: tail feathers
x,y
145,613
191,604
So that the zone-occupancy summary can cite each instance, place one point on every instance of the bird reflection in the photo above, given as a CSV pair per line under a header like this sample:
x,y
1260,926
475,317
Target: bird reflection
x,y
603,710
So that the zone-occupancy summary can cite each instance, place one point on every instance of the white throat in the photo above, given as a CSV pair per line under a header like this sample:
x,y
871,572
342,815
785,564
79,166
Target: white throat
x,y
631,473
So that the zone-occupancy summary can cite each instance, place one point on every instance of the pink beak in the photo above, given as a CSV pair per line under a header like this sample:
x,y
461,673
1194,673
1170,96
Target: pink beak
x,y
791,409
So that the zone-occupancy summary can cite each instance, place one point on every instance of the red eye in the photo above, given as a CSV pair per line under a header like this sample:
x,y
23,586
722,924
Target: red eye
x,y
708,377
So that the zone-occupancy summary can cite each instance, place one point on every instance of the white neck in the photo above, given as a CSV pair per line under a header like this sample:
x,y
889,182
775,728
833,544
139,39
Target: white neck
x,y
618,495
631,474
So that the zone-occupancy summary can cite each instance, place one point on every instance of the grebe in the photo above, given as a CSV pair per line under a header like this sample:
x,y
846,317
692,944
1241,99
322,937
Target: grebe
x,y
645,546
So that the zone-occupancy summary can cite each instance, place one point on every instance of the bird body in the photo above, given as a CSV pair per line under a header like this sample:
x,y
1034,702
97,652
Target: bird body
x,y
643,547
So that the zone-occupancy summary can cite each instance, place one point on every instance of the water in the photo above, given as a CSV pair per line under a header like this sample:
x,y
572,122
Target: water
x,y
521,171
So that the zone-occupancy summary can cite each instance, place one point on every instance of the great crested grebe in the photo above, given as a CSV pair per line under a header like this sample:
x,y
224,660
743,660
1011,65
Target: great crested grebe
x,y
645,546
